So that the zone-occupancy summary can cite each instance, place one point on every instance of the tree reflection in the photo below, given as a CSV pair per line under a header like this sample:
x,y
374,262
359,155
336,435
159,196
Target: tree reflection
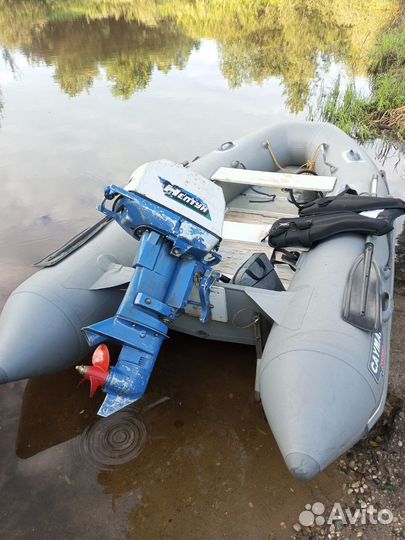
x,y
128,39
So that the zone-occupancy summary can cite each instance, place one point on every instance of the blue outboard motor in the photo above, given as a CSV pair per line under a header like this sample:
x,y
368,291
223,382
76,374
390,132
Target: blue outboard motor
x,y
177,216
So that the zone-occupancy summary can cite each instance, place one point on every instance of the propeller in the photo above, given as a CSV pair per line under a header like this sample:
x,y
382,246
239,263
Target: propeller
x,y
97,374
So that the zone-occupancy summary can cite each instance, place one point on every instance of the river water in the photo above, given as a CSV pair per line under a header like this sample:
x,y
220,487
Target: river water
x,y
89,91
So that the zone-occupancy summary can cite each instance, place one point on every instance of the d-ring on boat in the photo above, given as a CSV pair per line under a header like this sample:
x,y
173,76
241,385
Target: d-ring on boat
x,y
282,239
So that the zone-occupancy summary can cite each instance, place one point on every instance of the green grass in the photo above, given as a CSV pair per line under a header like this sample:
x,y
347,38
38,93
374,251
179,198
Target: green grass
x,y
381,114
390,51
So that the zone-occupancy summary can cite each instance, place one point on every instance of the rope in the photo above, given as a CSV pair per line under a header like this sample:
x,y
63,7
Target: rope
x,y
310,164
251,323
276,162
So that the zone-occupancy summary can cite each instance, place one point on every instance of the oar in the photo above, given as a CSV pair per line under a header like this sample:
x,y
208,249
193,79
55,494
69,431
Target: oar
x,y
362,298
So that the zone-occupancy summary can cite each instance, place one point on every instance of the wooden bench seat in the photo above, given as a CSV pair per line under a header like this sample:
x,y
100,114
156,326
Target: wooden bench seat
x,y
275,179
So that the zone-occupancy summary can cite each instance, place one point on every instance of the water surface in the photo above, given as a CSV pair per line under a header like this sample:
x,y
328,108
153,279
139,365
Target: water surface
x,y
89,91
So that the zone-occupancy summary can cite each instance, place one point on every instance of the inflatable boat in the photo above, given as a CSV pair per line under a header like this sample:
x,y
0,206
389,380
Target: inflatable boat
x,y
282,240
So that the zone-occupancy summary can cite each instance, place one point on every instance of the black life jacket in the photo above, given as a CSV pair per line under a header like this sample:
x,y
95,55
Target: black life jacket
x,y
346,202
328,216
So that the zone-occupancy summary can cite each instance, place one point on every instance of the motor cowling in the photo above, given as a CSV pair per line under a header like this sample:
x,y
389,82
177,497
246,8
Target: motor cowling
x,y
177,215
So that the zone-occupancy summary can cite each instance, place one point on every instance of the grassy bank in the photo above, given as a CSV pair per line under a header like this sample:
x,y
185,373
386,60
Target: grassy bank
x,y
381,112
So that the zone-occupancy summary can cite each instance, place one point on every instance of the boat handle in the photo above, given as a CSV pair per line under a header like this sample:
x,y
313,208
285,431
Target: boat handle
x,y
226,146
388,306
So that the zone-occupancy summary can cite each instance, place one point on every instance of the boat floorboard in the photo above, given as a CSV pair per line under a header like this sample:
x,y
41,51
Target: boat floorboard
x,y
243,233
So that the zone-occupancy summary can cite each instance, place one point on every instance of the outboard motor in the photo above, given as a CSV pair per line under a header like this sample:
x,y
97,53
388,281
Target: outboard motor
x,y
177,216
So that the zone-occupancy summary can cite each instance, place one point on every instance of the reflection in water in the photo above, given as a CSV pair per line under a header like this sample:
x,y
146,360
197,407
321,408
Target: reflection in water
x,y
127,40
126,52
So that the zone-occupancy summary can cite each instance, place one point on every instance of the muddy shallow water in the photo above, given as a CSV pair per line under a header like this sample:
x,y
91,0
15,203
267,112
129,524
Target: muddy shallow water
x,y
205,462
85,98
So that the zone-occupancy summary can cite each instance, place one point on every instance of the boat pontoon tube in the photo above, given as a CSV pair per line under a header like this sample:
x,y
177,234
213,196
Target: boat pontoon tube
x,y
322,381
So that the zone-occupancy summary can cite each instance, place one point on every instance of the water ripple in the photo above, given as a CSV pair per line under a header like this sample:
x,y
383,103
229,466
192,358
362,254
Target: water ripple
x,y
114,440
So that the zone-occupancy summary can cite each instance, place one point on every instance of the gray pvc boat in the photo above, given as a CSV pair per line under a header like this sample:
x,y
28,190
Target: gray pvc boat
x,y
322,380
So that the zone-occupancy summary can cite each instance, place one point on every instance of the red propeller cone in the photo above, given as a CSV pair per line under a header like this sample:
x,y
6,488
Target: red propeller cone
x,y
97,374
